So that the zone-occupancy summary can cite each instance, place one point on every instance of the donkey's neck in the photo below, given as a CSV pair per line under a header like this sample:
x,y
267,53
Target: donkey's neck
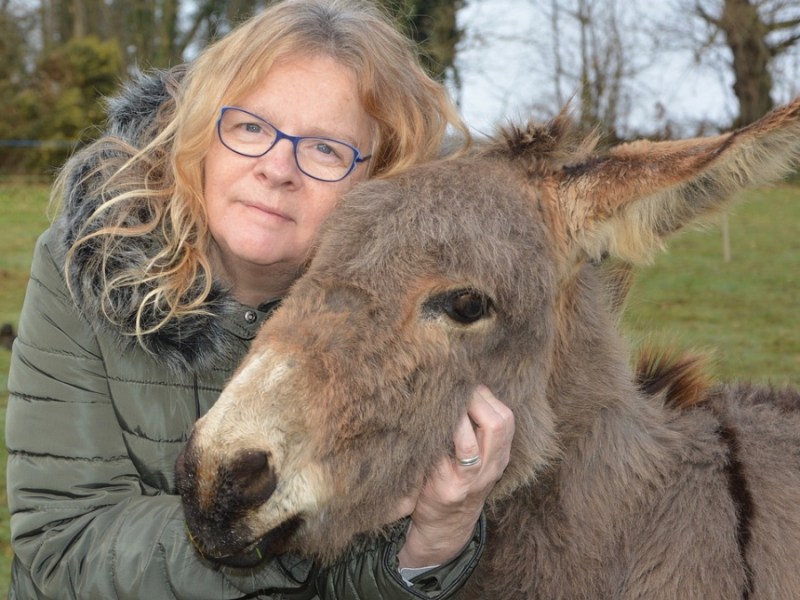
x,y
616,449
591,369
610,433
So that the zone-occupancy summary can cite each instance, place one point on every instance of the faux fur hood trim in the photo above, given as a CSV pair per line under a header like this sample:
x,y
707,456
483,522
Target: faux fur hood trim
x,y
192,343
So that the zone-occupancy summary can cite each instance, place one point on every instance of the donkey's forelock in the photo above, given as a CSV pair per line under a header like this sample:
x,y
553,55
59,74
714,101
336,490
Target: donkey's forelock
x,y
544,148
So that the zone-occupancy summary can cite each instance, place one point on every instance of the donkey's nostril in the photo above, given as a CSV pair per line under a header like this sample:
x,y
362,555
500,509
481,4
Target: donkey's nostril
x,y
251,476
251,460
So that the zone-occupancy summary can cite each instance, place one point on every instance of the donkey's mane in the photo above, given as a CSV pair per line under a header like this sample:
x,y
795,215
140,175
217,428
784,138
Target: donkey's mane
x,y
681,378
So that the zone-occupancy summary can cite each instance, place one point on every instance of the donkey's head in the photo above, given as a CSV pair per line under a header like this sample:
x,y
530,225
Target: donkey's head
x,y
477,269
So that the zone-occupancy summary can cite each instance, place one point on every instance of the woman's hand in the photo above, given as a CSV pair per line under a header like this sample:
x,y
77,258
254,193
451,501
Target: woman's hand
x,y
452,498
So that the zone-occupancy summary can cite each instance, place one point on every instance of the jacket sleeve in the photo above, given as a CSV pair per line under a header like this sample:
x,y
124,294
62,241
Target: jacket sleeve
x,y
82,525
370,570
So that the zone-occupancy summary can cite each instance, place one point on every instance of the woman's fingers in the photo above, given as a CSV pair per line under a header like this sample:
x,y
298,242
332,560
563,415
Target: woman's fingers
x,y
453,496
483,437
467,448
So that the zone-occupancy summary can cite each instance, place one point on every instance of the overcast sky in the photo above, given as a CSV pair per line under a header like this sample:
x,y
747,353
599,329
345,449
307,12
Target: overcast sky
x,y
502,71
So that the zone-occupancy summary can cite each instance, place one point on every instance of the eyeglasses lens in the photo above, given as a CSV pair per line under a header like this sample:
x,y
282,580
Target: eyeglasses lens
x,y
320,158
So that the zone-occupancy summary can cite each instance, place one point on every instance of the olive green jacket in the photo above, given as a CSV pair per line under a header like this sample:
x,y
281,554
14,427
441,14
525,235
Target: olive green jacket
x,y
96,420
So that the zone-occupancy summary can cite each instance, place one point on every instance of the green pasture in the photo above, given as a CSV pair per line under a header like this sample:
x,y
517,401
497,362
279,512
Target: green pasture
x,y
746,310
22,218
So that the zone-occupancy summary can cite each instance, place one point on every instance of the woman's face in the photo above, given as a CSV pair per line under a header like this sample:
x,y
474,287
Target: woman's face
x,y
264,213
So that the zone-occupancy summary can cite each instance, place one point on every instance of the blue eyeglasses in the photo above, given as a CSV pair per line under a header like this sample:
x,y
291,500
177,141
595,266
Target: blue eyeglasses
x,y
320,158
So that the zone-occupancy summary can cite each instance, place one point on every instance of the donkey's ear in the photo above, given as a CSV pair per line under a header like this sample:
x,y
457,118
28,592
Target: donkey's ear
x,y
626,202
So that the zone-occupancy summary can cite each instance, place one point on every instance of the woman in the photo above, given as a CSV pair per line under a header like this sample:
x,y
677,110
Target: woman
x,y
180,231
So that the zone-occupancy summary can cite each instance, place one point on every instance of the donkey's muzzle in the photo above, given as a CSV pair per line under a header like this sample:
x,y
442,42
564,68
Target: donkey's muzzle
x,y
218,497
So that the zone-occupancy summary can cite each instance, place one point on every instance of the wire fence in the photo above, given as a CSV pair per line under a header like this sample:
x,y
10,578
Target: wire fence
x,y
38,144
33,159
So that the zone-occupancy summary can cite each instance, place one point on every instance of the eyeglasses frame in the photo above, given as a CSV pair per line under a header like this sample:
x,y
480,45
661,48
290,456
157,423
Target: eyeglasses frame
x,y
294,139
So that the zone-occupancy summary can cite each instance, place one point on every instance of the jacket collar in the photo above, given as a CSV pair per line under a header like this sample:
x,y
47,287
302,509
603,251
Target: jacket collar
x,y
193,342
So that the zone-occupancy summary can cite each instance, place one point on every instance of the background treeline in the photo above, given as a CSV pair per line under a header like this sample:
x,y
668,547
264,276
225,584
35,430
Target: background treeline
x,y
59,58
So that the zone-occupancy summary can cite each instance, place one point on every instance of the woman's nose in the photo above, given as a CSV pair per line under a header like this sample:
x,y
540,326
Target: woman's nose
x,y
279,165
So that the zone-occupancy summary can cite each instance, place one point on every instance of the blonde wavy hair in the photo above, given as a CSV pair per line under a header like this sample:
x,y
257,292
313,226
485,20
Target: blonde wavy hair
x,y
157,191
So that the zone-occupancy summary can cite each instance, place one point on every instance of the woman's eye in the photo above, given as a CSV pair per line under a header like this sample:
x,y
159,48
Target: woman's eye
x,y
327,150
251,127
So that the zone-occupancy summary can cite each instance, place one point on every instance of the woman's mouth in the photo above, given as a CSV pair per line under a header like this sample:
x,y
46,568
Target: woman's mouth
x,y
269,211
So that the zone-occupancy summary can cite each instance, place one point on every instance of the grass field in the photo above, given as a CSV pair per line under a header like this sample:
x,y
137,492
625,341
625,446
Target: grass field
x,y
22,218
747,310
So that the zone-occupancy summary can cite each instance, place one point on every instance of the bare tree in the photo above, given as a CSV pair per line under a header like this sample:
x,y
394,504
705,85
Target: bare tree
x,y
586,53
754,34
602,63
594,56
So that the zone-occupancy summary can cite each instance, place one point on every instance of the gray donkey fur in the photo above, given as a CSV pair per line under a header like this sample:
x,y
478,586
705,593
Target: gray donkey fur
x,y
485,268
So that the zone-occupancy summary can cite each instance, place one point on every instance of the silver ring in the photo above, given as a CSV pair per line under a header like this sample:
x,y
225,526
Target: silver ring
x,y
469,462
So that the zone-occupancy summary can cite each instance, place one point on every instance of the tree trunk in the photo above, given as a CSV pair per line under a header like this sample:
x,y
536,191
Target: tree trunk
x,y
745,35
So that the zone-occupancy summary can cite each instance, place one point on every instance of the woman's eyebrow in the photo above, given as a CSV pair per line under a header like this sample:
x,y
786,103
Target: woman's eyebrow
x,y
314,131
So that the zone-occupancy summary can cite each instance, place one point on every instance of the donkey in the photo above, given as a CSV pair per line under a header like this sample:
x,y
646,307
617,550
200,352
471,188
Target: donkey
x,y
488,268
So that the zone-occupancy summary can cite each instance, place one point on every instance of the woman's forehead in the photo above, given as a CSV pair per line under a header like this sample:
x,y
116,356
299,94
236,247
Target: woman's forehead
x,y
311,95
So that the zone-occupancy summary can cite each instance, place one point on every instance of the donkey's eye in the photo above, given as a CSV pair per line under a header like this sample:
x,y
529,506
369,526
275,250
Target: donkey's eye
x,y
462,306
466,307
